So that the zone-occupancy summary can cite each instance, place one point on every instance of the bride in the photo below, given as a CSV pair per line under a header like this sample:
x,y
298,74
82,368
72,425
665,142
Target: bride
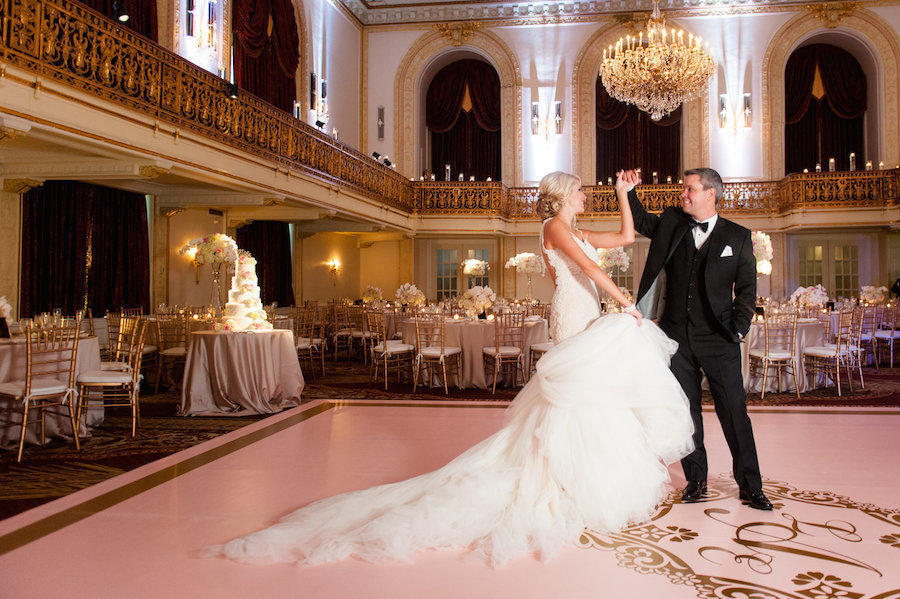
x,y
585,445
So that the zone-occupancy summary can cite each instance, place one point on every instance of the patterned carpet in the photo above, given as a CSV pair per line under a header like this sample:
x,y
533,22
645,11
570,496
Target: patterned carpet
x,y
57,469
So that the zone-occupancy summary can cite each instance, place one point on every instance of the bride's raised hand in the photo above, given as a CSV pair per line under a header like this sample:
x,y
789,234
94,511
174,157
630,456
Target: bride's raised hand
x,y
626,180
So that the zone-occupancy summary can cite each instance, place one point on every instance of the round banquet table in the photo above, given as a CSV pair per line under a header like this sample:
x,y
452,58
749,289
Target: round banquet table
x,y
473,336
809,333
235,374
13,358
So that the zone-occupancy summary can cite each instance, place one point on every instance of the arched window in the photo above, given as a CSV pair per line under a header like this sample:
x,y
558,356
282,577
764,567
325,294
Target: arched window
x,y
825,105
266,50
462,113
628,138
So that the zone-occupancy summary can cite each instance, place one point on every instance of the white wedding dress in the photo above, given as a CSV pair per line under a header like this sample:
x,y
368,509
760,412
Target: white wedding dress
x,y
586,445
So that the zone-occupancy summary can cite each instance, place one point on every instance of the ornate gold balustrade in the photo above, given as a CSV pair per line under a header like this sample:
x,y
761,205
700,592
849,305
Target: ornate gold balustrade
x,y
808,190
68,42
71,44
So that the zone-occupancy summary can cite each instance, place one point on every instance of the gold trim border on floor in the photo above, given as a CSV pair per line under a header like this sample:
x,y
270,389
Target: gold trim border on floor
x,y
54,522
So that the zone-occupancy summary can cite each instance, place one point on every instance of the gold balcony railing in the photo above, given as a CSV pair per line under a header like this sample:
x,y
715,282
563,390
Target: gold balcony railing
x,y
70,43
67,42
809,190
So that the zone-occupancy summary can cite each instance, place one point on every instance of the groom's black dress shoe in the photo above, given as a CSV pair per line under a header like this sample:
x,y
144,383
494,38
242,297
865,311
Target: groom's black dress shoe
x,y
756,499
694,491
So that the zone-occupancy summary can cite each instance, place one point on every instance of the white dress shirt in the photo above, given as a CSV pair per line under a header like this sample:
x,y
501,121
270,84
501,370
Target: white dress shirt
x,y
700,235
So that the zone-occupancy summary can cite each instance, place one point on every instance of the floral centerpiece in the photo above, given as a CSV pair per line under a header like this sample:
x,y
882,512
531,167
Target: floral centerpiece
x,y
810,297
612,258
408,293
873,295
762,250
214,249
6,309
372,294
527,264
473,267
477,299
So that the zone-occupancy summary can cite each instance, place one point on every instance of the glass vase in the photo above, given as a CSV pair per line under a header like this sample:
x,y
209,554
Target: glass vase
x,y
215,292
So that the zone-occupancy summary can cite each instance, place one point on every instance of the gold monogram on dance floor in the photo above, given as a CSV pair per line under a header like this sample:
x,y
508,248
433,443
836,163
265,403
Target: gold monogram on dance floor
x,y
815,545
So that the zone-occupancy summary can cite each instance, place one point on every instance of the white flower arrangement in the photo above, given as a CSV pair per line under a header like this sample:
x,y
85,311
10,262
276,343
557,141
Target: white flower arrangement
x,y
762,250
372,294
474,267
612,258
214,249
526,263
810,297
477,299
873,295
408,293
6,309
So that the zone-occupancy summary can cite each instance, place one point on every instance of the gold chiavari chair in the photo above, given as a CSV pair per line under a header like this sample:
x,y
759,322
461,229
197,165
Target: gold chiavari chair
x,y
171,336
359,333
387,354
110,388
51,355
829,358
112,333
308,338
509,346
542,310
855,351
824,318
535,352
780,337
342,330
432,351
120,358
872,317
886,334
132,312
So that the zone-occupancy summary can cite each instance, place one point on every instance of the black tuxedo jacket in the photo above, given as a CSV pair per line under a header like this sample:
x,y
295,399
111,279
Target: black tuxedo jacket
x,y
730,280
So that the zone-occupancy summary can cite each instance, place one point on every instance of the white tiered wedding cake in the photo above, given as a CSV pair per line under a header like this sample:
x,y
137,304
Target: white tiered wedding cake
x,y
244,309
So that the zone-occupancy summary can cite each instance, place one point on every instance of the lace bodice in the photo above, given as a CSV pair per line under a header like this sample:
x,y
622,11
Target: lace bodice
x,y
576,302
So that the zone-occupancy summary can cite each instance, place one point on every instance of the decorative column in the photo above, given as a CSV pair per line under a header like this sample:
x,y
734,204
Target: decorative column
x,y
780,262
159,253
407,260
508,281
11,239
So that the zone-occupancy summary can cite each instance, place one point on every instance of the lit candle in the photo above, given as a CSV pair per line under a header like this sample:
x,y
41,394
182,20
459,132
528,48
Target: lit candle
x,y
460,176
818,167
471,177
852,161
432,176
831,165
490,317
421,177
488,178
868,165
806,170
609,180
296,109
669,179
456,317
655,178
446,172
881,166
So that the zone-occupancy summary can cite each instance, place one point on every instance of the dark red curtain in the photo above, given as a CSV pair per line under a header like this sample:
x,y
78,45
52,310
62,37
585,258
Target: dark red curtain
x,y
270,244
142,13
468,141
832,126
266,50
83,243
628,138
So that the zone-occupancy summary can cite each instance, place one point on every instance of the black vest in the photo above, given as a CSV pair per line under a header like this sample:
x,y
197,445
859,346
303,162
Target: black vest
x,y
686,299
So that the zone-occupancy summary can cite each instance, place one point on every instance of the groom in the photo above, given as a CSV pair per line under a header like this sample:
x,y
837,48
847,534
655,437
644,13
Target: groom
x,y
710,292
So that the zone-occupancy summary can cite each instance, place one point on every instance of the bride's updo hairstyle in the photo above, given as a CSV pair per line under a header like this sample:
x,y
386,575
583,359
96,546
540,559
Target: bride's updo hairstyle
x,y
552,193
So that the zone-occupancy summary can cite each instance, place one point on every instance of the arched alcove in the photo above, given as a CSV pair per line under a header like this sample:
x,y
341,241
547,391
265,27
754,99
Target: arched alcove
x,y
873,43
695,116
426,57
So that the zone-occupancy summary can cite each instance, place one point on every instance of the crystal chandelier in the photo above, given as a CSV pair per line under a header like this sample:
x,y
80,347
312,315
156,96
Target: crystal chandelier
x,y
658,71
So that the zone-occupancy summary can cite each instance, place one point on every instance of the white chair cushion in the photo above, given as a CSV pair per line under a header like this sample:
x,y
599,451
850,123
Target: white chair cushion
x,y
887,334
822,351
149,349
773,355
343,333
361,334
505,350
304,343
174,352
865,337
104,376
435,352
39,386
120,366
393,347
542,347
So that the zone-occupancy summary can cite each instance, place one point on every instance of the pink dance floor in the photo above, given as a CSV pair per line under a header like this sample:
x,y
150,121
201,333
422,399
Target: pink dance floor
x,y
832,474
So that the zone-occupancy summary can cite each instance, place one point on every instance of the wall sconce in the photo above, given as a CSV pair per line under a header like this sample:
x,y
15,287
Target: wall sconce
x,y
211,24
747,115
189,18
334,267
191,255
535,118
539,126
312,90
380,123
723,111
557,119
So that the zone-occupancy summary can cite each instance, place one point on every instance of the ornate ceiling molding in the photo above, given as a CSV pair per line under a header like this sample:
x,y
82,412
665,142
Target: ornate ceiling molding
x,y
832,13
534,13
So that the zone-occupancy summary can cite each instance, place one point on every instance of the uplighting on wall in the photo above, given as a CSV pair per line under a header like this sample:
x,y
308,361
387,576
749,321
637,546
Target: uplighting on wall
x,y
747,115
723,111
380,123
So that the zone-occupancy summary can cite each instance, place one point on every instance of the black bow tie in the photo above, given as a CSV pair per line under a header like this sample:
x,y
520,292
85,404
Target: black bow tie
x,y
703,226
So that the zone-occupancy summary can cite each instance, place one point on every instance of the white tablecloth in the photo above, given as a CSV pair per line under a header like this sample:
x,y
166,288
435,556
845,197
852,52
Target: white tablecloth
x,y
234,374
473,336
13,358
808,335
